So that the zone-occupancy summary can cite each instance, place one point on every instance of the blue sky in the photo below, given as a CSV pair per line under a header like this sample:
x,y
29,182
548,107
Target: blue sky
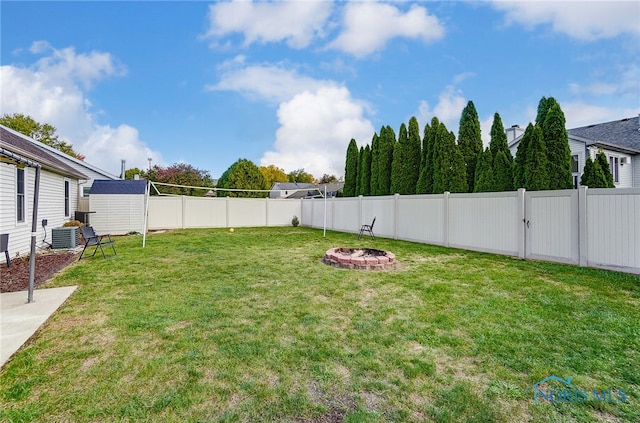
x,y
291,83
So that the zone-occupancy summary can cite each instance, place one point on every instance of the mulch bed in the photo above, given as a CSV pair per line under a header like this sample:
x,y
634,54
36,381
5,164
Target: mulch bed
x,y
16,278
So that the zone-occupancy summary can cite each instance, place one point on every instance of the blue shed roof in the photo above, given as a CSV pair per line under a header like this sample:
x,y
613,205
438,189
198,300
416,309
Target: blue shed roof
x,y
128,186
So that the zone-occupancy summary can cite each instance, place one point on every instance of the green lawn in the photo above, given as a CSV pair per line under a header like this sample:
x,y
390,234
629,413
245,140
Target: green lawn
x,y
250,326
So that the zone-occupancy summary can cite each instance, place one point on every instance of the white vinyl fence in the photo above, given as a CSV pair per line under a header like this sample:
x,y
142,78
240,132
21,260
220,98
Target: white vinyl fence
x,y
226,212
588,227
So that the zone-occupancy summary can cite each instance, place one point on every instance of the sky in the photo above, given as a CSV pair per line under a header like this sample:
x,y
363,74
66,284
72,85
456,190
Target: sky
x,y
290,83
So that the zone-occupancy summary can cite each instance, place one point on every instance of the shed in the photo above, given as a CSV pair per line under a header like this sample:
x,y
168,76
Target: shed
x,y
117,205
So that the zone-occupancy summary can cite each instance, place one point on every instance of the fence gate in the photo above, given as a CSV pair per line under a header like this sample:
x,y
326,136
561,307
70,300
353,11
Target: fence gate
x,y
551,226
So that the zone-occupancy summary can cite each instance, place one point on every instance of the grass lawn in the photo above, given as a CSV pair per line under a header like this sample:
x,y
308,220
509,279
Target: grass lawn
x,y
212,326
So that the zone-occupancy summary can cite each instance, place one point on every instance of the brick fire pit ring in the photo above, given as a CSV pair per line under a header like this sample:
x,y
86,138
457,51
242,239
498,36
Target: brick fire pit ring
x,y
359,258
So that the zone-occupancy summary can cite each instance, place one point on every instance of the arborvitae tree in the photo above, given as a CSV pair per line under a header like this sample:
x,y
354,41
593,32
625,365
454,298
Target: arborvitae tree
x,y
520,161
373,184
398,181
601,159
425,180
558,151
441,158
593,175
360,170
457,178
449,172
536,173
543,108
470,140
406,159
351,170
503,166
502,172
386,143
414,156
484,173
364,171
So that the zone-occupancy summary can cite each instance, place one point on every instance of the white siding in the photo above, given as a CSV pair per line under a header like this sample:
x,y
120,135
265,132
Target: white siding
x,y
635,170
117,214
50,207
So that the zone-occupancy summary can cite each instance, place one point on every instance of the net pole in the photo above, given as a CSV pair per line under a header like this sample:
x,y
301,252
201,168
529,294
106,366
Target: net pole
x,y
324,232
146,214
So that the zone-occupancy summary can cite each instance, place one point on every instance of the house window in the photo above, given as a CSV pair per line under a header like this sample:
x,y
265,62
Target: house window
x,y
613,164
85,191
66,198
574,163
20,210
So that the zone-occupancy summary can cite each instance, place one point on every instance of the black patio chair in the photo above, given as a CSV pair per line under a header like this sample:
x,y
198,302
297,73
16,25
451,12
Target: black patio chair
x,y
4,246
98,241
367,228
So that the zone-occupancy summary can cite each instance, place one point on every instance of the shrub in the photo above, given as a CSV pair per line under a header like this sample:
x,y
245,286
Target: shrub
x,y
72,223
295,222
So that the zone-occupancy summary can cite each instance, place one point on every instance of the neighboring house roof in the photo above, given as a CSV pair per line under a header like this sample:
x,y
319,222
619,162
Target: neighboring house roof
x,y
304,190
27,147
623,133
127,186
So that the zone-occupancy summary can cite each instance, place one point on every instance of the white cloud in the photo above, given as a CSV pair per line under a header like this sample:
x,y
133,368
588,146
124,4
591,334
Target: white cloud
x,y
584,20
579,114
296,22
368,26
621,80
448,110
51,91
316,127
273,83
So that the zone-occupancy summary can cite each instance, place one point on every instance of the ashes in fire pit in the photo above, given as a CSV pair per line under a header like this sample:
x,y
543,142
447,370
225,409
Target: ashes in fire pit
x,y
360,258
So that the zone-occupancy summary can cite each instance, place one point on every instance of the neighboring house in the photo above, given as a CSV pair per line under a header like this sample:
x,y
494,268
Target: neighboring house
x,y
118,206
57,201
304,190
619,140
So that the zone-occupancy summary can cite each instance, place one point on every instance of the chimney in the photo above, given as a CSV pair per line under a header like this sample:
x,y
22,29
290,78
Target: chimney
x,y
514,132
123,161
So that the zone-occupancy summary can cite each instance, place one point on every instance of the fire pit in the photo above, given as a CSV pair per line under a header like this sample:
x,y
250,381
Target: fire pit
x,y
360,258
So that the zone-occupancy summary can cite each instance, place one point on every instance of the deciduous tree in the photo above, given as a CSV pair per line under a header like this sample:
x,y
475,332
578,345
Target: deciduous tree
x,y
243,175
181,174
273,174
43,132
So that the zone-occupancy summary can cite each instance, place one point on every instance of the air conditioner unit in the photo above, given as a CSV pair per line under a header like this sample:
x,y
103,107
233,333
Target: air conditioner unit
x,y
624,160
64,237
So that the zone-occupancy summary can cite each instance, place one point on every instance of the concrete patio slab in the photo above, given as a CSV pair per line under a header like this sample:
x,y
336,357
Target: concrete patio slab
x,y
19,320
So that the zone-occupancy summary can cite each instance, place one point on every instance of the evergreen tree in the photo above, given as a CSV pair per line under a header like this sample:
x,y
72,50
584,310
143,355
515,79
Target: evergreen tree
x,y
521,159
543,108
502,172
359,186
374,165
386,144
449,173
601,159
425,180
536,173
593,176
484,173
503,165
556,139
414,156
351,170
470,140
365,182
398,180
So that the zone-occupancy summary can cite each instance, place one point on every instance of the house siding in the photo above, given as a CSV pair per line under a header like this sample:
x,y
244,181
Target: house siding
x,y
117,214
50,207
625,172
635,170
